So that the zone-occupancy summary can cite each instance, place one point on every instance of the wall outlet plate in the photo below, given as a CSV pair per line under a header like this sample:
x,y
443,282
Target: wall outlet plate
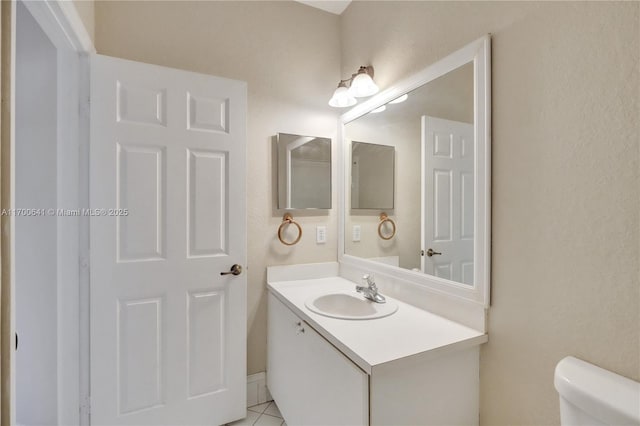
x,y
356,231
321,234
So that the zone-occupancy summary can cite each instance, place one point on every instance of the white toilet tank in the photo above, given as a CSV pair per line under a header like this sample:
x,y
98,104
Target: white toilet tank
x,y
591,395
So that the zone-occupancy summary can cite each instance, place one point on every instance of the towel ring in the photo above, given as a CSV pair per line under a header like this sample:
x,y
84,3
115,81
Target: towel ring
x,y
287,219
384,218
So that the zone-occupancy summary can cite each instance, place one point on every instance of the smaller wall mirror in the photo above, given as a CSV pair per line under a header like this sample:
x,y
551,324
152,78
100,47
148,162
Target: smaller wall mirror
x,y
304,172
372,176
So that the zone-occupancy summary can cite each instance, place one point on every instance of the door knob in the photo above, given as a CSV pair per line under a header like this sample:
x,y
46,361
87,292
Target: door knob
x,y
235,270
430,252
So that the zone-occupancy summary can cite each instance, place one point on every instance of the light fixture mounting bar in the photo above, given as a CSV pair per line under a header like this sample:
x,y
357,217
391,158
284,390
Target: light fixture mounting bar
x,y
368,69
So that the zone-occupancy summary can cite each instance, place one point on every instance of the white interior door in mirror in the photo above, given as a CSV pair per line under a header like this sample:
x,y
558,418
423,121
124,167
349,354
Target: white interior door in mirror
x,y
168,332
448,153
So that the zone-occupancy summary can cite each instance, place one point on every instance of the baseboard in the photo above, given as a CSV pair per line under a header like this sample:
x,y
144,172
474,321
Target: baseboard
x,y
257,392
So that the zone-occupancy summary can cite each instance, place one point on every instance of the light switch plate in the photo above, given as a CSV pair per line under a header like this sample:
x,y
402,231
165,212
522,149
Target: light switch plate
x,y
321,234
356,233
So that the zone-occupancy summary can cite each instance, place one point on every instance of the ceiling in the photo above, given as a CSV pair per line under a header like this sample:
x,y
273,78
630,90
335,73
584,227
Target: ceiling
x,y
333,6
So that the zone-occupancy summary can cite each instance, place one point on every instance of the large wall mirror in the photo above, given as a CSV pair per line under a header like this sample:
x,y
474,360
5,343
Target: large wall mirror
x,y
436,187
304,172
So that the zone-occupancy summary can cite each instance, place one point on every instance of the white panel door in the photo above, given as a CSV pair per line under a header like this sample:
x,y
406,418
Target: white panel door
x,y
448,157
168,332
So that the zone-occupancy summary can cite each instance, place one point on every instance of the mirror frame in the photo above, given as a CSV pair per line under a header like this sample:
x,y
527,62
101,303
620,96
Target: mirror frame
x,y
478,52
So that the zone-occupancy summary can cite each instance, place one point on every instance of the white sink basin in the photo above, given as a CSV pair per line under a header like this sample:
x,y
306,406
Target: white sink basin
x,y
349,306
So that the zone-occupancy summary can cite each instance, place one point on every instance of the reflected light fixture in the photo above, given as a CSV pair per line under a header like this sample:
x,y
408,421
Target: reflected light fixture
x,y
400,99
360,85
379,109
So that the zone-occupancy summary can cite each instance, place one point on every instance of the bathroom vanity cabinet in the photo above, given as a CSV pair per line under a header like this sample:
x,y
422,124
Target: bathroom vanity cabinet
x,y
304,370
387,371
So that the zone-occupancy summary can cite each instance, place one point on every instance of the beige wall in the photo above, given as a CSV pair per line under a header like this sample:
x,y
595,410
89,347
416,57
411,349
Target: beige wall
x,y
566,185
290,56
86,10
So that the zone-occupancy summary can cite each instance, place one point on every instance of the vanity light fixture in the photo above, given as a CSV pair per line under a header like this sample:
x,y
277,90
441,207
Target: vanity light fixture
x,y
342,97
360,85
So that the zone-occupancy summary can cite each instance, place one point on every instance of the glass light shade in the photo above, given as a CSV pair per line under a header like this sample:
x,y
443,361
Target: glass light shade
x,y
342,98
363,86
400,99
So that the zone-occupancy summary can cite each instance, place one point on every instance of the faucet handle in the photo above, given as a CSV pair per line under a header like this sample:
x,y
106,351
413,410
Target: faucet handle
x,y
369,279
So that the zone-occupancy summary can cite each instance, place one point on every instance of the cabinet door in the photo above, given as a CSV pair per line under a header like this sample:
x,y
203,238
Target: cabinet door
x,y
285,359
312,382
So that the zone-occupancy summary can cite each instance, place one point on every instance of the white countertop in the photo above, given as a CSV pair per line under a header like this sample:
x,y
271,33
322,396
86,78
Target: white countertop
x,y
369,343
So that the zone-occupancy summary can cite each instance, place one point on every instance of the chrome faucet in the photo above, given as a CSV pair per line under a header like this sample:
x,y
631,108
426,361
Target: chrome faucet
x,y
371,290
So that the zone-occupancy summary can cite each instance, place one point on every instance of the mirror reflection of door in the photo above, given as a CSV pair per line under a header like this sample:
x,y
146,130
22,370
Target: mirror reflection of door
x,y
448,199
304,172
297,174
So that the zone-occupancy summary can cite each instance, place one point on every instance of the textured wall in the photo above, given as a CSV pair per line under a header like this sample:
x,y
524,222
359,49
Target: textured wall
x,y
566,132
290,56
86,10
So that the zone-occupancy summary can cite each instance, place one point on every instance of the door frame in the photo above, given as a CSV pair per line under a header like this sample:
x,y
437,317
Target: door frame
x,y
60,21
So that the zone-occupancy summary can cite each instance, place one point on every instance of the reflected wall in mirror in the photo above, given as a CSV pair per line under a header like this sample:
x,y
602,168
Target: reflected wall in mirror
x,y
432,130
304,172
372,176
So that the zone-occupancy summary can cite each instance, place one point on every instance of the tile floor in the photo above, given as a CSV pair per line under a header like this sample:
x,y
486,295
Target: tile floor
x,y
266,414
